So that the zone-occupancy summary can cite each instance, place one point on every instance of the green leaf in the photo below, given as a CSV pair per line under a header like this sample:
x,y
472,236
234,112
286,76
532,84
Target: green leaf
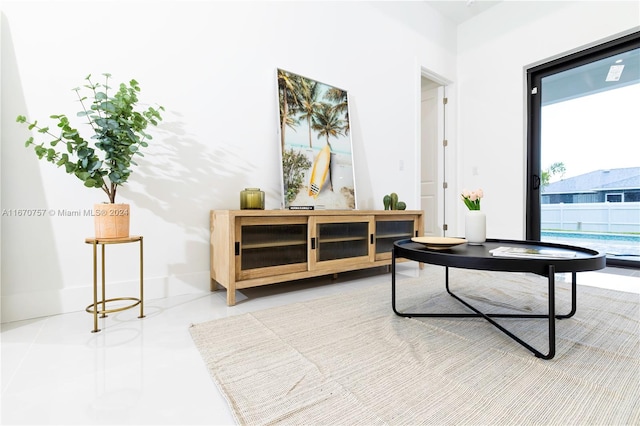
x,y
107,107
116,177
69,167
83,153
63,160
93,166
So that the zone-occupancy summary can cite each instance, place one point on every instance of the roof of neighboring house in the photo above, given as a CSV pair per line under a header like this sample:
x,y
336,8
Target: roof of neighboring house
x,y
600,180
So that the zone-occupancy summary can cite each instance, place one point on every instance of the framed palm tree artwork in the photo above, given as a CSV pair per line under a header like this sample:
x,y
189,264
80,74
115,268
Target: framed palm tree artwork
x,y
315,144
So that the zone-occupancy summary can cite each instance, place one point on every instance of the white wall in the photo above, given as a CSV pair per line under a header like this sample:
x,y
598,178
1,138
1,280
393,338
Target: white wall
x,y
212,64
494,51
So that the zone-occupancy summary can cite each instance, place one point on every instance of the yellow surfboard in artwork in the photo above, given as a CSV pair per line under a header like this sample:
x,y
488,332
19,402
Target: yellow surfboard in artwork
x,y
319,171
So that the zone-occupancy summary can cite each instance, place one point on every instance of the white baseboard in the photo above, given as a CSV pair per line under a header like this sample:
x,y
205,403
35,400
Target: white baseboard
x,y
29,305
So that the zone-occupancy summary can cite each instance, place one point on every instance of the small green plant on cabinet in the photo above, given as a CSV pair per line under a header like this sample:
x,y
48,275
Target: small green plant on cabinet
x,y
391,202
386,200
104,159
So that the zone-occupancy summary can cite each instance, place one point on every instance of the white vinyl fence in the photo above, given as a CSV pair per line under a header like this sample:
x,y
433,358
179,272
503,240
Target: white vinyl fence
x,y
591,217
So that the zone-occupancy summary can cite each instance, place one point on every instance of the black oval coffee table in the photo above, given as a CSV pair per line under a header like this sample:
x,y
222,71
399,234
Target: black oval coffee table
x,y
548,260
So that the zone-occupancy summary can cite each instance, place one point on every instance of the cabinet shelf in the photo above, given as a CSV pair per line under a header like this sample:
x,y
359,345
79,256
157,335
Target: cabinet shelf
x,y
396,236
342,239
274,244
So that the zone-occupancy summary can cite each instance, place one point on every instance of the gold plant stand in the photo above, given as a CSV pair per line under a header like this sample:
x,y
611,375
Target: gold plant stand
x,y
94,308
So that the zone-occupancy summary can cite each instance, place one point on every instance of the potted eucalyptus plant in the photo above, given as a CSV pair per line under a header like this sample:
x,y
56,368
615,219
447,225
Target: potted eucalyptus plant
x,y
104,159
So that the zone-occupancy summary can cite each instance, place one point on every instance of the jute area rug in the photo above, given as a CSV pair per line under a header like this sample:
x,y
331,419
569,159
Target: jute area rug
x,y
349,360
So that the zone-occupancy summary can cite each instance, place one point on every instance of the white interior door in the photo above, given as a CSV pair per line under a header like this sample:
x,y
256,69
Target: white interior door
x,y
429,157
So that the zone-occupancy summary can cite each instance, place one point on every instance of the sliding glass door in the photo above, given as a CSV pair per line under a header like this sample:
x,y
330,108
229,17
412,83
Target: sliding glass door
x,y
584,150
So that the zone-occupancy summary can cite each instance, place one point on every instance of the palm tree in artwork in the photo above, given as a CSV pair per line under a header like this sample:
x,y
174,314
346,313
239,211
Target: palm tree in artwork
x,y
328,122
288,86
339,99
309,103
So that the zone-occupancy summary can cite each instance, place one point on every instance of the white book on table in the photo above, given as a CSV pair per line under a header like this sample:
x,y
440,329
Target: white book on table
x,y
538,253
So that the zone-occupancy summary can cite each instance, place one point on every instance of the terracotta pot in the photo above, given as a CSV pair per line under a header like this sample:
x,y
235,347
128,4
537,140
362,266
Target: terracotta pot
x,y
111,220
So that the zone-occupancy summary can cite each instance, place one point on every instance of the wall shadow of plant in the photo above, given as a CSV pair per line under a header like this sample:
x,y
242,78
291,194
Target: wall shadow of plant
x,y
179,180
180,177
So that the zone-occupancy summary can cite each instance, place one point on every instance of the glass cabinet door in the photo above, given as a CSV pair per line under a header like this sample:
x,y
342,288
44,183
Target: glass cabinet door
x,y
340,240
269,246
389,230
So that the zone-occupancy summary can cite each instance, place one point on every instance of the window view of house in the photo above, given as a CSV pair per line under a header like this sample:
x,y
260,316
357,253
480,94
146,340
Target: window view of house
x,y
590,183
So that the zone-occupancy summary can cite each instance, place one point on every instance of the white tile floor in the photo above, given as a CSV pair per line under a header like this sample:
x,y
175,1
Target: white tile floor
x,y
55,371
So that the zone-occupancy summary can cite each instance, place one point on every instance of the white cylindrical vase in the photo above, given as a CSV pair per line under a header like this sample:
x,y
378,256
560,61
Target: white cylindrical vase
x,y
475,227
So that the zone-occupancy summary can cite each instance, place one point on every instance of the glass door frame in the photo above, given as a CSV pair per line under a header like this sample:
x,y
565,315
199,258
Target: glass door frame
x,y
534,128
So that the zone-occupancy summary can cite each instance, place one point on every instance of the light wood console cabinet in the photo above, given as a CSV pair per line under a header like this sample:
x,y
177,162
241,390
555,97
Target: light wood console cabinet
x,y
250,248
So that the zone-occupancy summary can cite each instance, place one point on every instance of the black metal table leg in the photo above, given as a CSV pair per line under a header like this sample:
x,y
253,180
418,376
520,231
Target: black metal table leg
x,y
550,316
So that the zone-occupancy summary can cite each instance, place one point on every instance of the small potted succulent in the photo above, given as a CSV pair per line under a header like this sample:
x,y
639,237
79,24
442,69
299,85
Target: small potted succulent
x,y
104,159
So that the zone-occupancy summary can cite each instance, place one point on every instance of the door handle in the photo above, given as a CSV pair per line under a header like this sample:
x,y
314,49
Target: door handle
x,y
536,181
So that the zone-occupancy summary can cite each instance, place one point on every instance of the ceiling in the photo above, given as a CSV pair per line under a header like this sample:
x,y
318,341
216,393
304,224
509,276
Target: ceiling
x,y
460,11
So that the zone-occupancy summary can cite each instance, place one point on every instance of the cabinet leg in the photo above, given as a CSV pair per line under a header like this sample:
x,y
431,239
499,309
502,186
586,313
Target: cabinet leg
x,y
231,296
213,285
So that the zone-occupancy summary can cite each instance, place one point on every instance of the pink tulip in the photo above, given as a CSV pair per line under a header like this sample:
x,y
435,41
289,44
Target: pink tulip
x,y
472,198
